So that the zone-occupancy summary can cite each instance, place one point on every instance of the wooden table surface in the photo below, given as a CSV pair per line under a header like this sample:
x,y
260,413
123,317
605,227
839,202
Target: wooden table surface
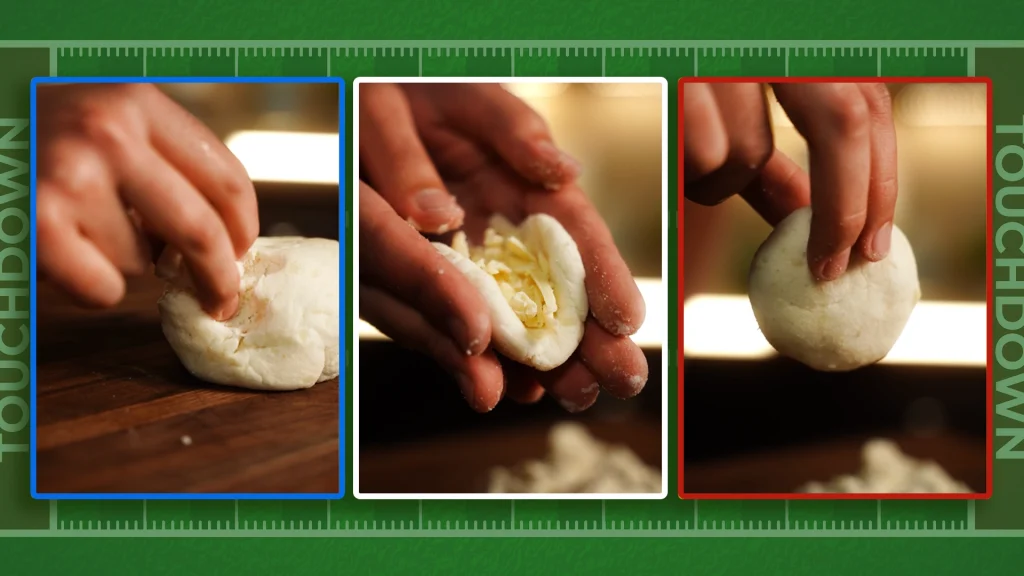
x,y
116,411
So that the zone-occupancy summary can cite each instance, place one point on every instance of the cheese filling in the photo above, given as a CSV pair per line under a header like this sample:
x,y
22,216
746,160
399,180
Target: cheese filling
x,y
523,276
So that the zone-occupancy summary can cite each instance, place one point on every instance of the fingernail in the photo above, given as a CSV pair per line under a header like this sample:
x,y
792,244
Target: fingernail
x,y
636,384
570,407
834,267
460,333
556,167
571,167
224,311
548,153
882,242
438,204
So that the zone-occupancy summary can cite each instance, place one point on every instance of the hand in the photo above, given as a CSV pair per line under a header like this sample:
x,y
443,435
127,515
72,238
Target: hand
x,y
728,149
121,163
441,156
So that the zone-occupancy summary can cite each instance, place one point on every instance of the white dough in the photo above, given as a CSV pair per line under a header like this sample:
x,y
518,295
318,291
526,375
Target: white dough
x,y
540,257
831,326
887,470
285,335
578,463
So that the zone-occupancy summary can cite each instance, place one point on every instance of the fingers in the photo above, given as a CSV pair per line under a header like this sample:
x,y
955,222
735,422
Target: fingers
x,y
492,115
875,239
602,360
114,234
572,385
616,362
835,119
613,363
781,188
125,162
615,299
728,142
84,236
179,214
480,378
521,383
397,163
86,189
705,144
395,256
189,146
71,261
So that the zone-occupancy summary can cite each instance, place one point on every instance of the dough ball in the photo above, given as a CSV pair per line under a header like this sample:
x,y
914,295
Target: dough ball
x,y
532,279
831,326
285,335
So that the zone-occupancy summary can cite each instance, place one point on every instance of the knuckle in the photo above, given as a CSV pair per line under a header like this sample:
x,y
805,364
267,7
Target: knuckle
x,y
49,216
885,187
236,185
379,102
878,97
837,231
849,226
133,90
752,152
131,97
199,231
846,111
527,124
74,167
708,156
108,128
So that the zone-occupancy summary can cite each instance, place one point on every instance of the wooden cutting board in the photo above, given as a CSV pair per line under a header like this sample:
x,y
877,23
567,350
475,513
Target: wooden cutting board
x,y
118,413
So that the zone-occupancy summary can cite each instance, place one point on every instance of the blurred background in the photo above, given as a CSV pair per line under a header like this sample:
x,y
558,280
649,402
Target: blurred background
x,y
416,433
754,422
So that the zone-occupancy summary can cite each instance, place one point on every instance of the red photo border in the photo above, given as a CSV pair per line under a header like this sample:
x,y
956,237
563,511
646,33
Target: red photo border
x,y
988,267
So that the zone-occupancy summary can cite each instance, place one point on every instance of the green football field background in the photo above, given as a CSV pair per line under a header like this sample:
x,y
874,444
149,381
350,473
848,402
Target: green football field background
x,y
527,38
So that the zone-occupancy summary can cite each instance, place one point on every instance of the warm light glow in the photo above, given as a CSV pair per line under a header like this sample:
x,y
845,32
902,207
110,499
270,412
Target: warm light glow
x,y
934,105
650,336
938,333
534,90
297,157
779,117
631,90
722,326
923,106
949,333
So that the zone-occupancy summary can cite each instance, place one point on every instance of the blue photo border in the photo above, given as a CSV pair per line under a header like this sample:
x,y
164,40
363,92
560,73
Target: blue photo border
x,y
342,286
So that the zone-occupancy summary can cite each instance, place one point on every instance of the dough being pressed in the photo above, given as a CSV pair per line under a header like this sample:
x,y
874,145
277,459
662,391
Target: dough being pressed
x,y
831,326
285,335
532,279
